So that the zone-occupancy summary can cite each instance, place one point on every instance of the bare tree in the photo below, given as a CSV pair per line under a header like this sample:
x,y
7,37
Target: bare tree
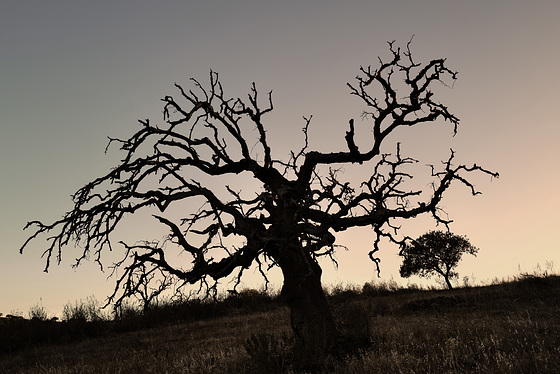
x,y
436,252
291,218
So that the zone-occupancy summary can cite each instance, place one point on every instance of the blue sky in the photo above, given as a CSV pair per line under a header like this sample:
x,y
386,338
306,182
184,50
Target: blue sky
x,y
73,73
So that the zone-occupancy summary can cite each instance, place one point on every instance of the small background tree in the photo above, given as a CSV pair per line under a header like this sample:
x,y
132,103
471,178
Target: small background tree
x,y
436,252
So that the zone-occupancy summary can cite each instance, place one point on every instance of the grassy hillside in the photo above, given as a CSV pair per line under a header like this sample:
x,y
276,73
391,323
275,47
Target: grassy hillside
x,y
511,327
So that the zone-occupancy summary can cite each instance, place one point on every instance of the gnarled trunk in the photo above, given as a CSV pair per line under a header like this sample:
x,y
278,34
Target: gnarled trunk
x,y
312,321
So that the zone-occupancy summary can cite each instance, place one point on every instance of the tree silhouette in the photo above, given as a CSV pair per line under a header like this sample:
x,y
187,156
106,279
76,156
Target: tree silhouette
x,y
294,207
435,252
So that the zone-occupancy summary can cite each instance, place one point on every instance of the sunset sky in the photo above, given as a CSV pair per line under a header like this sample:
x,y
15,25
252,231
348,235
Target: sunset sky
x,y
74,72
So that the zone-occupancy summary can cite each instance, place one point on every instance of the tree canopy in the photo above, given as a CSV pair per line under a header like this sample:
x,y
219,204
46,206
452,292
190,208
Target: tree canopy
x,y
436,252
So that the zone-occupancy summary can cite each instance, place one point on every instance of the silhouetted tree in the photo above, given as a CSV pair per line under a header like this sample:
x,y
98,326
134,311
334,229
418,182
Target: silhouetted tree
x,y
436,252
293,208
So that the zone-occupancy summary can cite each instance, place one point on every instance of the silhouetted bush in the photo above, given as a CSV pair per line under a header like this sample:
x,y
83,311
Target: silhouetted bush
x,y
380,289
85,311
38,312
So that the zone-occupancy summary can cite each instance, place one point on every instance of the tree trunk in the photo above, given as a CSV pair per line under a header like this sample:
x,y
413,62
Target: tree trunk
x,y
448,282
312,321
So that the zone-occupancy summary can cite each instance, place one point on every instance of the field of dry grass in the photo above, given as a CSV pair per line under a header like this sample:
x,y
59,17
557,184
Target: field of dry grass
x,y
511,327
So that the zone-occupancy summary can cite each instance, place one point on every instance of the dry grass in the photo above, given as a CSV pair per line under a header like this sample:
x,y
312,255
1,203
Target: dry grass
x,y
199,347
504,328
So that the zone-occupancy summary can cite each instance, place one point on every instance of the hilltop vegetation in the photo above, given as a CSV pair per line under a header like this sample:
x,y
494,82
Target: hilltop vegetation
x,y
508,327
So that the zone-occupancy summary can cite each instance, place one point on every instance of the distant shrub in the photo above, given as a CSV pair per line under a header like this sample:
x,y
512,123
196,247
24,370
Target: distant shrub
x,y
380,289
38,312
126,310
85,311
340,291
247,300
256,299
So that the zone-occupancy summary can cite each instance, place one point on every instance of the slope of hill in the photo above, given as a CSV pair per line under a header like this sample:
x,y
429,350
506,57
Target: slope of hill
x,y
510,327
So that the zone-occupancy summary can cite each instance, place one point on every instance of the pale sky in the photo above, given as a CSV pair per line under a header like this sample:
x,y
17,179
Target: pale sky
x,y
74,72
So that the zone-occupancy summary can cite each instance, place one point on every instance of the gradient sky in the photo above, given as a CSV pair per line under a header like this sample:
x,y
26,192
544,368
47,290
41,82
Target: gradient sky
x,y
74,72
